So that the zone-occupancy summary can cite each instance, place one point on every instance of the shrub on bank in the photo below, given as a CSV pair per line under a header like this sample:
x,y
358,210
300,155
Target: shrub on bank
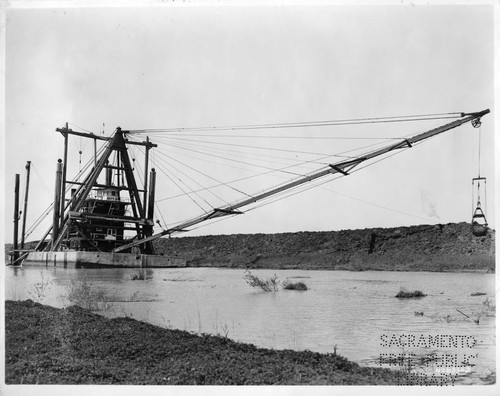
x,y
271,284
266,284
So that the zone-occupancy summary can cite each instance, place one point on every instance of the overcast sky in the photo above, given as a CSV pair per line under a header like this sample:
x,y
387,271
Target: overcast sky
x,y
162,67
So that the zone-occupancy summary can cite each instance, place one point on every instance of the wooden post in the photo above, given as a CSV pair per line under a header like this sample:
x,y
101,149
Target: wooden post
x,y
151,198
109,176
146,165
16,218
57,202
149,247
64,171
25,210
73,192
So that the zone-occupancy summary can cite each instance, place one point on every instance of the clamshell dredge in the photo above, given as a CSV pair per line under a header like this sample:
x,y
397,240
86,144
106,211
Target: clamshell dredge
x,y
108,221
94,221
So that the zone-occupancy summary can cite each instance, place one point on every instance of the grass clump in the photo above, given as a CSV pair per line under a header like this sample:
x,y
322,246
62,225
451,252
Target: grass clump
x,y
409,294
85,294
40,289
287,285
266,284
489,307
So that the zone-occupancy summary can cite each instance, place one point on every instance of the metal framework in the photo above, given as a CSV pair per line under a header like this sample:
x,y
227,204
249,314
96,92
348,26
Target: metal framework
x,y
343,167
96,215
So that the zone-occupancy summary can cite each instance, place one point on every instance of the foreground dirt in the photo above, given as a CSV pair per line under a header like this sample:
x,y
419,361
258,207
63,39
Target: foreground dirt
x,y
46,345
442,247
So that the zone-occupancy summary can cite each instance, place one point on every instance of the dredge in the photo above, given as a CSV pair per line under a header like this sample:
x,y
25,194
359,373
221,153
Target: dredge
x,y
108,221
90,225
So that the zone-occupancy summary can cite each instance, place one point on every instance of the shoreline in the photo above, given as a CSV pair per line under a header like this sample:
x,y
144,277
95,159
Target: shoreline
x,y
443,271
451,271
46,345
434,248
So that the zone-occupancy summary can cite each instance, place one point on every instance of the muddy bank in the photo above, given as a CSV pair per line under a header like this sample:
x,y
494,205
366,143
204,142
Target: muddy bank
x,y
444,247
46,345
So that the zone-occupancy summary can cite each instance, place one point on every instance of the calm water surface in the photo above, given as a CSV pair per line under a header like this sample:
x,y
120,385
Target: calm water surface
x,y
353,312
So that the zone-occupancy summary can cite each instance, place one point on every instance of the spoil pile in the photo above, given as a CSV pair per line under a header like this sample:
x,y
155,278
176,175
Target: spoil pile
x,y
441,247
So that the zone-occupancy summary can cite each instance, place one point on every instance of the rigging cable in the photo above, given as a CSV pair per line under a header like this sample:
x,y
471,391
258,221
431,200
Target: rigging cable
x,y
254,147
252,164
354,121
274,170
340,155
190,178
177,185
42,216
238,153
321,182
234,160
479,178
221,183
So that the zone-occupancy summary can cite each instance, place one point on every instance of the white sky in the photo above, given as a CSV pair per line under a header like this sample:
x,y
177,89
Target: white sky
x,y
161,67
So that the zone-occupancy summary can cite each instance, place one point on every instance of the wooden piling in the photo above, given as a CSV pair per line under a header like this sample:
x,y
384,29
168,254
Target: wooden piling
x,y
15,254
57,202
25,209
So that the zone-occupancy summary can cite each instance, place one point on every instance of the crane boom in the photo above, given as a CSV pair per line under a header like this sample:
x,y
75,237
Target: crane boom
x,y
342,167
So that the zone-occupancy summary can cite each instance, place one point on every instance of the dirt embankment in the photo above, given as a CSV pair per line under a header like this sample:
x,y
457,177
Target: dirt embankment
x,y
45,345
444,247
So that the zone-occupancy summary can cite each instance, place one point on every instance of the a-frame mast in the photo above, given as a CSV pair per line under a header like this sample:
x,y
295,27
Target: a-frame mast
x,y
83,217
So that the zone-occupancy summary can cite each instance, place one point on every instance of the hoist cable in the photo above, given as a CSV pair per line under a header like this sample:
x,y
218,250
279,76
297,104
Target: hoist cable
x,y
45,213
164,171
274,170
140,173
479,155
237,161
194,181
201,144
221,183
278,137
186,175
256,147
289,151
240,155
354,121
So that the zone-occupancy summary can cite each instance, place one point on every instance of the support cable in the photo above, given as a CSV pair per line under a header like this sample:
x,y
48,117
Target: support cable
x,y
221,183
354,121
190,178
254,147
274,170
238,153
237,161
242,155
164,171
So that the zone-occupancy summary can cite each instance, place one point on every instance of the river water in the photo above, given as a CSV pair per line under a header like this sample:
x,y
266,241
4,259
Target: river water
x,y
354,313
